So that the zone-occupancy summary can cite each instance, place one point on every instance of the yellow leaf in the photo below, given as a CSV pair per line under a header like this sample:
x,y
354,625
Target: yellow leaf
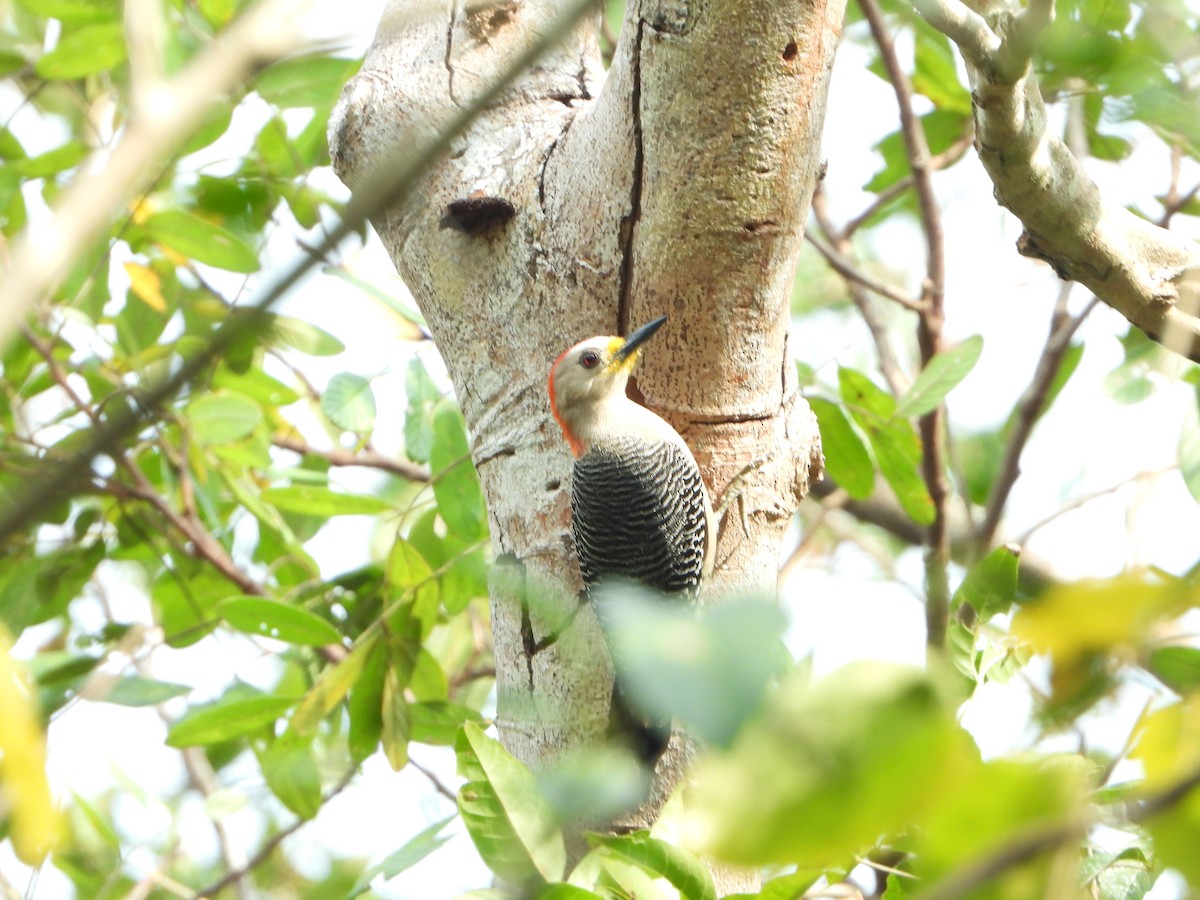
x,y
142,209
331,686
1075,620
1168,743
34,820
146,286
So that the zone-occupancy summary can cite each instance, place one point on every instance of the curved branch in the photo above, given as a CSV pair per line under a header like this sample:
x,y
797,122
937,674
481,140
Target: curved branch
x,y
1148,274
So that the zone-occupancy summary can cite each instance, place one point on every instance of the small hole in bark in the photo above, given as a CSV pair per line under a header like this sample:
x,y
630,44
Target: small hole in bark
x,y
790,51
478,214
553,485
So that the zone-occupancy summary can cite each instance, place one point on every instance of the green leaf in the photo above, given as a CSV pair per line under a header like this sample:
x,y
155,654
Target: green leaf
x,y
896,445
309,81
224,720
597,784
828,768
300,335
990,804
898,451
200,240
508,820
90,49
290,771
1176,667
935,74
222,417
397,723
941,376
408,576
423,396
710,670
1189,450
311,500
456,484
412,852
53,161
366,705
846,457
787,887
331,686
270,618
438,721
255,384
134,690
990,586
679,868
217,12
186,602
70,12
349,403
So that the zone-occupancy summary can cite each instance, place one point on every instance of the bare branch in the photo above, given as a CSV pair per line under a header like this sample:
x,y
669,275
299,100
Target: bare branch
x,y
1029,410
969,30
889,365
847,269
929,330
1146,273
366,458
268,847
943,160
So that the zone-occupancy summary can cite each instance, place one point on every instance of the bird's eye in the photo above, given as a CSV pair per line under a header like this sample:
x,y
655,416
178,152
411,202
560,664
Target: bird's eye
x,y
590,359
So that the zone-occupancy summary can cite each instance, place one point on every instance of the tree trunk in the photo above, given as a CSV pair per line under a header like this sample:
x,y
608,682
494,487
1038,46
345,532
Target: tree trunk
x,y
584,203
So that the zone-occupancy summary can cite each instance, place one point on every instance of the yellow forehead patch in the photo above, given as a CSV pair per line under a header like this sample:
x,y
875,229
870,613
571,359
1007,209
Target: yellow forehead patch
x,y
615,344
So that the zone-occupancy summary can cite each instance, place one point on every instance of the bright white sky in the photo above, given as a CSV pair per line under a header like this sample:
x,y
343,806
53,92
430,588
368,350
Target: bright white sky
x,y
1087,444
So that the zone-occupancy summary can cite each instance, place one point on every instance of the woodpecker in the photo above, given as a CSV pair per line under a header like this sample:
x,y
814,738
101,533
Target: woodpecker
x,y
639,508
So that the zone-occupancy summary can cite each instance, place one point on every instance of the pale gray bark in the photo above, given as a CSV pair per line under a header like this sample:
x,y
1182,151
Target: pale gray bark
x,y
1148,274
677,184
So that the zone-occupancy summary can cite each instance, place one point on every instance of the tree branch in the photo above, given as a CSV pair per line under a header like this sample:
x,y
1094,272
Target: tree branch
x,y
366,457
1146,273
848,270
929,331
264,852
1028,410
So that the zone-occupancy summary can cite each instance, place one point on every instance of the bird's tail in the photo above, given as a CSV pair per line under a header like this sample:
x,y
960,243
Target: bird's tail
x,y
646,737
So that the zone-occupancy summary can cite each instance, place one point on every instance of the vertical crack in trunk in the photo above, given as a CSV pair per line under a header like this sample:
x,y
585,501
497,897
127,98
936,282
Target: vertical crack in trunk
x,y
528,639
635,195
449,49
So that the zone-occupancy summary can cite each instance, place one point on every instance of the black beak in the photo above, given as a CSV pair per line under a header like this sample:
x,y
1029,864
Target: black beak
x,y
638,338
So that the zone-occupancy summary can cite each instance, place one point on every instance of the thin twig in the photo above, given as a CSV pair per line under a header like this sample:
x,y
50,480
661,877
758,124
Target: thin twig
x,y
1085,499
846,268
929,328
268,847
889,365
943,160
366,457
438,784
1028,410
204,779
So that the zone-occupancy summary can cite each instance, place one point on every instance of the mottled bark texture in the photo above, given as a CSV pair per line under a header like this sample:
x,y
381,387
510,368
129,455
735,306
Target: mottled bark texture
x,y
587,203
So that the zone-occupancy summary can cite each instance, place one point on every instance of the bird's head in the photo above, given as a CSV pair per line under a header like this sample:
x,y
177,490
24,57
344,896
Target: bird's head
x,y
590,375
